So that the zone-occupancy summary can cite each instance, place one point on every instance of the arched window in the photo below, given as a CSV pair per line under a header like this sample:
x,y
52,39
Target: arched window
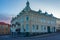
x,y
27,18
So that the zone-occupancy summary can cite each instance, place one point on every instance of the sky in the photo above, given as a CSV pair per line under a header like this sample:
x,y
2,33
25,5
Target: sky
x,y
10,8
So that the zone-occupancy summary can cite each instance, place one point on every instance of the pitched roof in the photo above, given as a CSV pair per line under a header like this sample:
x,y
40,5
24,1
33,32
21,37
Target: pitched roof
x,y
28,9
3,23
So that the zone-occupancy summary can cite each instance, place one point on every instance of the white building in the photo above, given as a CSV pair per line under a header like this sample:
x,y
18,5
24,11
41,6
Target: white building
x,y
58,24
32,21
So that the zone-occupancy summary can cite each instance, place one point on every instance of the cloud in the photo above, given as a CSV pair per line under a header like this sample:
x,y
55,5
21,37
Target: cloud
x,y
5,18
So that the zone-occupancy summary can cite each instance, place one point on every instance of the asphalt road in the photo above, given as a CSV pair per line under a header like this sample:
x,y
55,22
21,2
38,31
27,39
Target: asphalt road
x,y
54,36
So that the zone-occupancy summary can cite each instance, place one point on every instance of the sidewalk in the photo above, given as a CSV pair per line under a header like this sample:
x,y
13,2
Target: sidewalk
x,y
42,36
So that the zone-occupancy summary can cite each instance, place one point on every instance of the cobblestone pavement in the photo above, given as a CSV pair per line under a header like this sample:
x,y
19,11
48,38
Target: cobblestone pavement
x,y
48,37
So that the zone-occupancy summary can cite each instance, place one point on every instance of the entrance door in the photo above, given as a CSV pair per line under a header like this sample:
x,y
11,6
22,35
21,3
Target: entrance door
x,y
48,29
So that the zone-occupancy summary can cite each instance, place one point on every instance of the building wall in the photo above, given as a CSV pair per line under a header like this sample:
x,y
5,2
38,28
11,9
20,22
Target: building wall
x,y
4,29
58,24
34,19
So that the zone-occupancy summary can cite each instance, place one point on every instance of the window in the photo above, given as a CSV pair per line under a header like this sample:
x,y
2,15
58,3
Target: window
x,y
17,23
27,18
13,25
49,21
37,27
53,22
6,29
33,27
2,27
27,27
23,28
21,19
43,27
43,20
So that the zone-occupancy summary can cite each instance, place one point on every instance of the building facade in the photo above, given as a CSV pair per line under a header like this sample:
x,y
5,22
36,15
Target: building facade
x,y
32,21
4,28
58,24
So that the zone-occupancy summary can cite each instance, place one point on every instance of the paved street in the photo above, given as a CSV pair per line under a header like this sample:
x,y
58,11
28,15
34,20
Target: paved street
x,y
55,36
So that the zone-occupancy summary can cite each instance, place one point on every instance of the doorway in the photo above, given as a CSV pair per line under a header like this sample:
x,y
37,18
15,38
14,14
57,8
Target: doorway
x,y
18,31
48,29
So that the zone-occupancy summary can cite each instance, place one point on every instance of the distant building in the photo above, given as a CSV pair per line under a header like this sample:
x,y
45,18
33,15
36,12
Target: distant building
x,y
32,21
58,24
4,28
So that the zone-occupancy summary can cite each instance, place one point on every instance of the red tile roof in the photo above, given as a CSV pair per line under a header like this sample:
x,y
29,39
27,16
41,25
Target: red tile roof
x,y
3,23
